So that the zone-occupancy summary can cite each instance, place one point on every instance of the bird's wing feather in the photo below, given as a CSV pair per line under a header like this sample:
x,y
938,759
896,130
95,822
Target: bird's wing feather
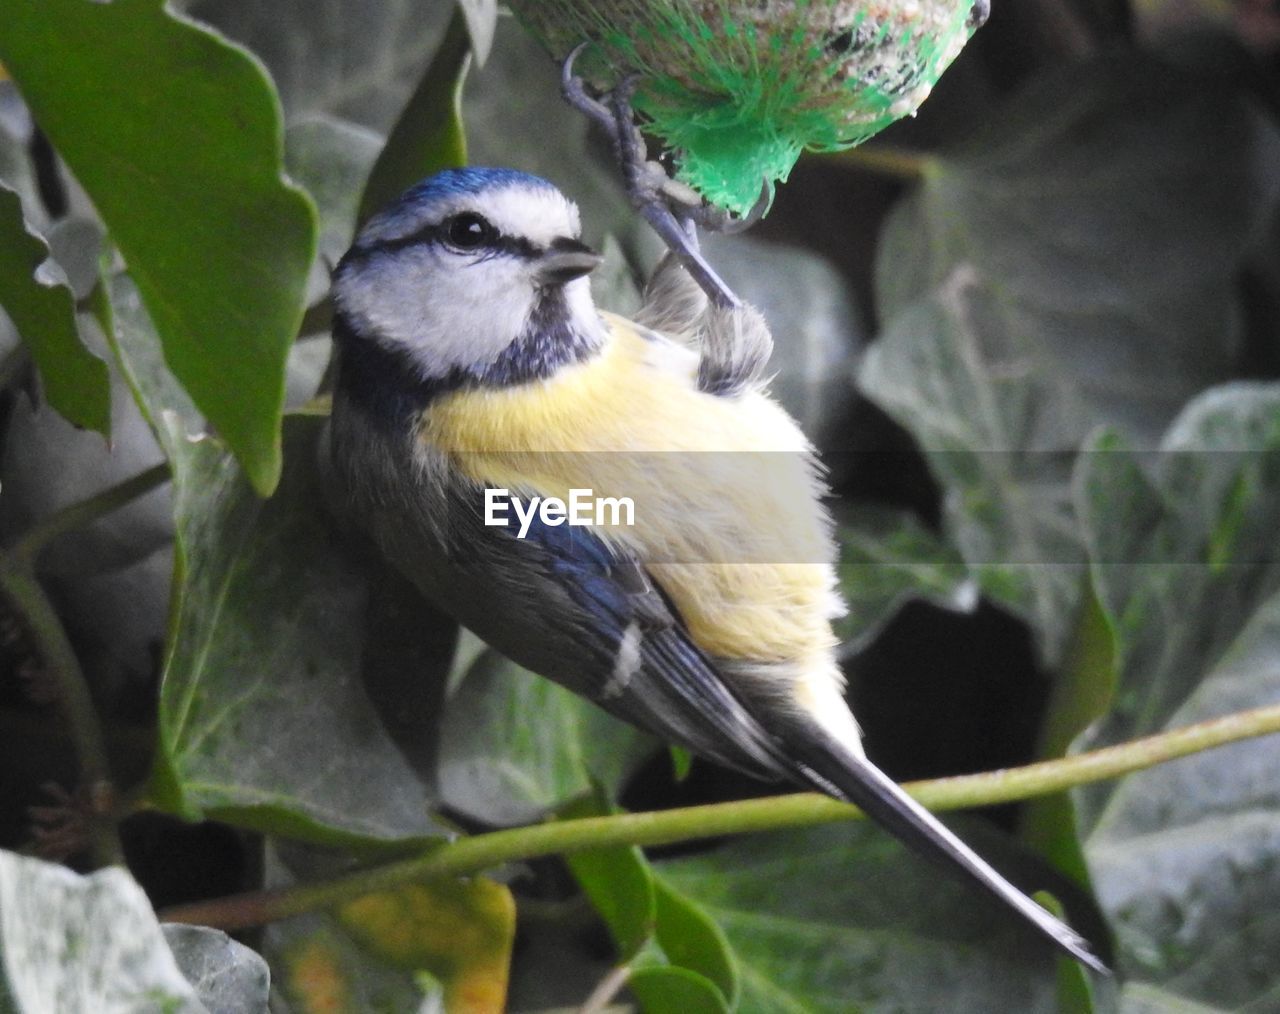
x,y
615,639
560,601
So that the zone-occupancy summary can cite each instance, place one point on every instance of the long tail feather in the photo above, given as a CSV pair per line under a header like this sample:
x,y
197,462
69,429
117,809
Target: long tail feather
x,y
838,771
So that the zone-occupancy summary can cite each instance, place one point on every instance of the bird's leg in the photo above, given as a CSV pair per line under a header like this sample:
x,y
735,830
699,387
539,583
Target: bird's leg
x,y
653,193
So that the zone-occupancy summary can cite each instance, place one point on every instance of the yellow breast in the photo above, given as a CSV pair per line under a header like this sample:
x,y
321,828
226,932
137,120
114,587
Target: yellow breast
x,y
726,512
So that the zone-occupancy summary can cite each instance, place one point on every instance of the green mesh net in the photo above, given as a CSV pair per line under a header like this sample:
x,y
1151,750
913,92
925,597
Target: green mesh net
x,y
737,89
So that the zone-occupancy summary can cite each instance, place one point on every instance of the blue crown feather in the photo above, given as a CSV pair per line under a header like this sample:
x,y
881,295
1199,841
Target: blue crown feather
x,y
469,180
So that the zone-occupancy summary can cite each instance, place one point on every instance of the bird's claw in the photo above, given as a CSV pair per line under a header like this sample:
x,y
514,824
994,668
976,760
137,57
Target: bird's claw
x,y
669,206
716,219
575,92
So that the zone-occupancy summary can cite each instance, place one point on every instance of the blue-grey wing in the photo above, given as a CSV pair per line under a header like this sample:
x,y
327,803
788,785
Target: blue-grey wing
x,y
560,601
622,645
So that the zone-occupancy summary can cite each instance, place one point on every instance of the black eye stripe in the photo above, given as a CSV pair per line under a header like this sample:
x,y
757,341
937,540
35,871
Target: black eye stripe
x,y
437,233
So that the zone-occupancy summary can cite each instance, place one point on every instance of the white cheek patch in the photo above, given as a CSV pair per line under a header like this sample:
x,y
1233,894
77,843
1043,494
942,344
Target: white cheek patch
x,y
448,309
445,310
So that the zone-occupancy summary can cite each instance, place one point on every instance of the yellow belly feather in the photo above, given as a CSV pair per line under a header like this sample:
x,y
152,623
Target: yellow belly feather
x,y
726,515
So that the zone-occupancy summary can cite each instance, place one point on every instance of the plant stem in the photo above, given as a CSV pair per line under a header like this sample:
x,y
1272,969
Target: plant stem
x,y
471,855
606,991
18,583
84,513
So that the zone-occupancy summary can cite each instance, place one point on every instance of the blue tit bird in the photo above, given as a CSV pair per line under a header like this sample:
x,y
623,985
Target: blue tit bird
x,y
471,359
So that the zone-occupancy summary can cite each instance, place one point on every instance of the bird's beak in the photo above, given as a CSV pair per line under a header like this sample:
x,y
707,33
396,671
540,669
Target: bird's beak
x,y
563,261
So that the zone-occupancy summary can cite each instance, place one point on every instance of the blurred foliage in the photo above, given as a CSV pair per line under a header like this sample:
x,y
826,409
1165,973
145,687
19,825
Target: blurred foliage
x,y
1034,333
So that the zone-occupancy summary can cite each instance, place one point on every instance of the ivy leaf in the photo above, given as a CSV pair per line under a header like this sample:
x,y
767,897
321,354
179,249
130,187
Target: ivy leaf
x,y
275,635
841,918
351,59
332,159
319,969
264,717
71,943
1076,263
42,307
670,989
439,945
429,134
498,766
1182,544
459,931
1006,502
692,940
680,958
227,976
182,157
619,884
887,559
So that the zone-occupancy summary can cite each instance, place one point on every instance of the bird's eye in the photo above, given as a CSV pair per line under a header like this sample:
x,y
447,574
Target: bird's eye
x,y
469,231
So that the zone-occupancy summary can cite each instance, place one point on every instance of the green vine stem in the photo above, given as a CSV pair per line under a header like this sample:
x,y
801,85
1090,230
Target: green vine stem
x,y
471,855
19,585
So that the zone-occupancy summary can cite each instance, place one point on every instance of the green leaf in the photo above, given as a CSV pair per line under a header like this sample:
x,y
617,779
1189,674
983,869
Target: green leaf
x,y
332,159
264,718
159,397
42,307
1007,507
1075,988
429,135
639,908
1141,998
276,632
840,918
666,989
1106,210
691,939
352,59
1080,695
1184,856
887,558
681,762
619,884
73,943
226,975
499,766
1074,264
18,174
176,135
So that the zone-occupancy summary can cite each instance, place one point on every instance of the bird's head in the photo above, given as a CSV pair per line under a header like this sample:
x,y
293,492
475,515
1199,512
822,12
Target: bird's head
x,y
472,272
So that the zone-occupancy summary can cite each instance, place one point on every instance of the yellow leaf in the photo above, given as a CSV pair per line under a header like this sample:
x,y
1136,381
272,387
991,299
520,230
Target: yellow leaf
x,y
461,931
315,979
